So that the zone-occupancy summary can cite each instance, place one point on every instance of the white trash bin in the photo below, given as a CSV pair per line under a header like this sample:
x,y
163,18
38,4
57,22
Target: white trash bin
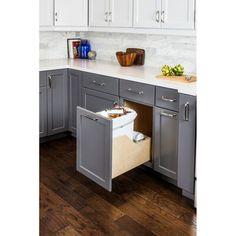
x,y
123,125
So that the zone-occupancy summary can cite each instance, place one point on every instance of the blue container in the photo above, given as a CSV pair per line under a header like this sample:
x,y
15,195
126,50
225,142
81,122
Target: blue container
x,y
84,49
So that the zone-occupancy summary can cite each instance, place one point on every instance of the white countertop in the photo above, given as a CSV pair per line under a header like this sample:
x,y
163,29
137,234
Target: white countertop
x,y
140,74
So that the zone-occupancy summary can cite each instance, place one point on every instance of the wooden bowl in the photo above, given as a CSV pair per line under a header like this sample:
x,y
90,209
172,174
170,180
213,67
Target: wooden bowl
x,y
126,58
140,57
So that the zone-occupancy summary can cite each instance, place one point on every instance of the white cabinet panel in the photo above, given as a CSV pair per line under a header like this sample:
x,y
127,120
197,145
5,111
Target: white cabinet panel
x,y
178,14
98,12
121,13
46,12
147,13
71,12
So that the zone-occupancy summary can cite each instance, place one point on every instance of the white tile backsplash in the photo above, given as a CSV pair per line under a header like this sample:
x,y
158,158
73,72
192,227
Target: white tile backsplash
x,y
159,49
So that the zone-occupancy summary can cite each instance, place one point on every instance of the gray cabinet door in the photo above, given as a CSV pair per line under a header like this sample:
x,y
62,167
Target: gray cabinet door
x,y
43,112
94,147
97,101
166,142
75,97
57,101
187,142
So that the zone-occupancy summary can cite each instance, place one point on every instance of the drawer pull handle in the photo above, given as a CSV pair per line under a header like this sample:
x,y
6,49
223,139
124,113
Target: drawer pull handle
x,y
98,84
136,92
157,16
168,99
50,81
186,111
91,118
168,114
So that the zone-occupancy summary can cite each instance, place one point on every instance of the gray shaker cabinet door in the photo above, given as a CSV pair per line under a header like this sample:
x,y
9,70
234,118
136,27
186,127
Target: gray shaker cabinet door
x,y
75,97
57,101
94,147
187,142
166,142
98,101
43,112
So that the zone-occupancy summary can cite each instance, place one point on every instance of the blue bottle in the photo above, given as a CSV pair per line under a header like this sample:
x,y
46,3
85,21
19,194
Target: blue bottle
x,y
84,49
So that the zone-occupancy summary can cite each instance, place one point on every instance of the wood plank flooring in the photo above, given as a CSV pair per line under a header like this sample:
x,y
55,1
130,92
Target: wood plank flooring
x,y
140,203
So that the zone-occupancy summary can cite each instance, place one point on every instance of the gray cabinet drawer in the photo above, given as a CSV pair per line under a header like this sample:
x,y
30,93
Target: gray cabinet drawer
x,y
137,91
100,83
42,78
167,98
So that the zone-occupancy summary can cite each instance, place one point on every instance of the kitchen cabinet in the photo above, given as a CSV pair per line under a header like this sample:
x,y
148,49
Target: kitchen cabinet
x,y
166,142
57,101
98,101
113,13
75,97
42,105
167,14
101,157
186,143
71,12
46,12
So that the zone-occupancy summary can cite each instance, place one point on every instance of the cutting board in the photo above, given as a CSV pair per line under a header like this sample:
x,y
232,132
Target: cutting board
x,y
183,79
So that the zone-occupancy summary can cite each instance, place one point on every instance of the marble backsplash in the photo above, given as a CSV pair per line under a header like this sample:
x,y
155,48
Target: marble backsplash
x,y
160,49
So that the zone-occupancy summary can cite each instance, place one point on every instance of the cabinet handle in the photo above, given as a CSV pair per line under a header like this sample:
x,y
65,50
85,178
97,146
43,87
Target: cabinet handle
x,y
91,118
106,16
110,16
157,16
99,84
50,81
55,16
186,111
162,16
135,92
168,114
168,99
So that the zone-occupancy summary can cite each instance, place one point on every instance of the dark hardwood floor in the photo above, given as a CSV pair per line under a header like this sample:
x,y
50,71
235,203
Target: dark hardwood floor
x,y
140,203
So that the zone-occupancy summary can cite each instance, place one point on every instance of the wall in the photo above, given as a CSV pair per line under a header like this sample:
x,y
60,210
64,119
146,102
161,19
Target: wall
x,y
160,49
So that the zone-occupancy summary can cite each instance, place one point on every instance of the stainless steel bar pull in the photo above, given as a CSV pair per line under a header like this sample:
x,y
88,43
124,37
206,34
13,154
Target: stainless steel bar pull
x,y
168,99
106,16
50,81
135,92
162,16
168,114
186,111
99,84
157,16
91,118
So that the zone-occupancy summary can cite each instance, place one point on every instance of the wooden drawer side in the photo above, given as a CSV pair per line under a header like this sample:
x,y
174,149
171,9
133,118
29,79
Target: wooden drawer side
x,y
127,154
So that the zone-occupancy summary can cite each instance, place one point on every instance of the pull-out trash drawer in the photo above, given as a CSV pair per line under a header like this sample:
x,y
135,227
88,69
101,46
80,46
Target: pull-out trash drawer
x,y
101,156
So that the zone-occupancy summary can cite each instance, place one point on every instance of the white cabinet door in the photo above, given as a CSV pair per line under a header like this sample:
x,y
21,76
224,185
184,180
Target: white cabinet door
x,y
98,12
147,13
178,14
46,12
71,12
121,12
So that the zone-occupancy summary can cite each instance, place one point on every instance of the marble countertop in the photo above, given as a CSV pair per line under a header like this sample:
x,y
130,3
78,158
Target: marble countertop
x,y
140,74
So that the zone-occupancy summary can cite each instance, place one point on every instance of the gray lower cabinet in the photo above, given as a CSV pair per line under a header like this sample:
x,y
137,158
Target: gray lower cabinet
x,y
43,112
166,142
97,101
75,97
94,147
57,98
186,143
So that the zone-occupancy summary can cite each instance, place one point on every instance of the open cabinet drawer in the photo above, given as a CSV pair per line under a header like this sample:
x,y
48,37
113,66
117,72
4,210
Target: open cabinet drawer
x,y
101,157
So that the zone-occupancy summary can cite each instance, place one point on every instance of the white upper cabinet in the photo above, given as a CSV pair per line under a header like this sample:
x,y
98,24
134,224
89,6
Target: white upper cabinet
x,y
168,14
113,13
46,12
121,12
178,14
147,13
71,12
98,12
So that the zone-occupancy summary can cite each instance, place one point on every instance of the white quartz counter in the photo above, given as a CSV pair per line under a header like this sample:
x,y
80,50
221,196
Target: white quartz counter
x,y
140,74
